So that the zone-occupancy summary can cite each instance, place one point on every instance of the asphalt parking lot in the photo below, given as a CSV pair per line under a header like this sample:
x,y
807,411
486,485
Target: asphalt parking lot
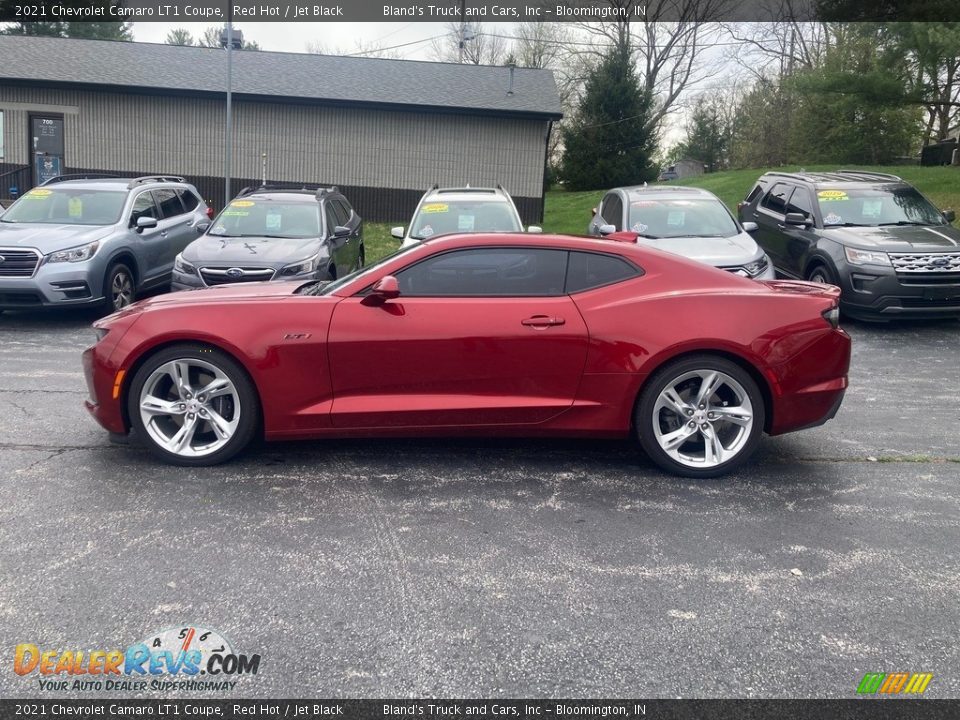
x,y
488,568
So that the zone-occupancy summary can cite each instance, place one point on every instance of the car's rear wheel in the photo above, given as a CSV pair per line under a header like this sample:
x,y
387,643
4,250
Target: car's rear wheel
x,y
119,287
193,405
700,416
820,273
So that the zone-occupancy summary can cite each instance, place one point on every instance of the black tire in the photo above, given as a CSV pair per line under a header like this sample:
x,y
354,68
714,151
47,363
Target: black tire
x,y
645,415
119,287
247,404
361,257
821,273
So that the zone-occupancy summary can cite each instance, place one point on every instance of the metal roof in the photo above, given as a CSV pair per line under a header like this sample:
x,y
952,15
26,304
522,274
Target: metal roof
x,y
304,77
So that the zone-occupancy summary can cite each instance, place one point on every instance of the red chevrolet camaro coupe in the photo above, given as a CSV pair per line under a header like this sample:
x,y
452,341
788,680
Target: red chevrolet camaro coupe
x,y
480,335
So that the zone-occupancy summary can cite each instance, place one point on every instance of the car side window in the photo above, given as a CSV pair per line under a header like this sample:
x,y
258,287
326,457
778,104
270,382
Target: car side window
x,y
586,271
776,199
330,217
487,272
143,206
757,189
169,202
344,211
189,200
612,211
800,203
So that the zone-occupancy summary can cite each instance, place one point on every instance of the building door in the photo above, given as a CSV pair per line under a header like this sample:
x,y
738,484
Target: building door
x,y
46,147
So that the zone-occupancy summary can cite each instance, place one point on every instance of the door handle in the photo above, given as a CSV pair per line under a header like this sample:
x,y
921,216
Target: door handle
x,y
541,322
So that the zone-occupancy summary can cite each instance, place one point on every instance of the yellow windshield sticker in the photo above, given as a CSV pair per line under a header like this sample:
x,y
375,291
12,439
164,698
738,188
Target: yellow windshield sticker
x,y
75,207
242,203
832,195
39,193
436,208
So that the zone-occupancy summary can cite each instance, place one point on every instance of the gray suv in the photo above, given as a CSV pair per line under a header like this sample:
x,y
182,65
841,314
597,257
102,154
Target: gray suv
x,y
271,233
892,253
95,241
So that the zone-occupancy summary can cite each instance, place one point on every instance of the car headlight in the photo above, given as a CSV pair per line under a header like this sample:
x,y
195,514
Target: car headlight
x,y
303,266
757,267
866,257
77,254
182,266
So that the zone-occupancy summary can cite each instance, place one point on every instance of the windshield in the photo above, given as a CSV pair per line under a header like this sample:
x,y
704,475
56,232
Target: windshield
x,y
67,206
465,216
667,218
268,219
327,288
891,205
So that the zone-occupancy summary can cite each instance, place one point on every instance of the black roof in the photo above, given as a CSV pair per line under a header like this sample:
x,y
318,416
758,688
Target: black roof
x,y
304,77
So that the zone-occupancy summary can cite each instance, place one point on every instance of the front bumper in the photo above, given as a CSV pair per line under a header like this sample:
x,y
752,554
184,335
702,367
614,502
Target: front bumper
x,y
879,293
58,285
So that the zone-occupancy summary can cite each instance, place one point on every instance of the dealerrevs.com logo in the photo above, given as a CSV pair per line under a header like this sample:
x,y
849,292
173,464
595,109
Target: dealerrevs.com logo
x,y
183,658
898,683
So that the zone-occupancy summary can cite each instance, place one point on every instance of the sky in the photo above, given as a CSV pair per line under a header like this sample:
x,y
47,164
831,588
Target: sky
x,y
343,37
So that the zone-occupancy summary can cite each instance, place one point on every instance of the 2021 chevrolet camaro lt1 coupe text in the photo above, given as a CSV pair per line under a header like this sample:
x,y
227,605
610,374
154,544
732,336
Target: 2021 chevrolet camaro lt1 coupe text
x,y
480,335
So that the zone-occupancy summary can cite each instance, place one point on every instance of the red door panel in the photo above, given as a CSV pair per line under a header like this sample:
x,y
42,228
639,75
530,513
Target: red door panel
x,y
454,361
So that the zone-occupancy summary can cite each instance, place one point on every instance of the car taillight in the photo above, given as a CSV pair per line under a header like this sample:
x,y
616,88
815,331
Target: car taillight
x,y
209,212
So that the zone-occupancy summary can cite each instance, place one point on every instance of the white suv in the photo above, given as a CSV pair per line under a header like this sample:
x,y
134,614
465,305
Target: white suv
x,y
442,211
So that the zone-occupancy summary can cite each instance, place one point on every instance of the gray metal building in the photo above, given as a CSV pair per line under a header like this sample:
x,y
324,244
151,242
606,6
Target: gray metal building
x,y
382,130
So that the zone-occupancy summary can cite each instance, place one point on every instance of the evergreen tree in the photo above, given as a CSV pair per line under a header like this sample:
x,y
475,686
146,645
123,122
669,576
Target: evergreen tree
x,y
707,137
179,36
609,142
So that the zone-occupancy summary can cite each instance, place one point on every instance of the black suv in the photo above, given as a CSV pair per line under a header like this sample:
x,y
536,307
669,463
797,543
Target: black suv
x,y
892,253
271,233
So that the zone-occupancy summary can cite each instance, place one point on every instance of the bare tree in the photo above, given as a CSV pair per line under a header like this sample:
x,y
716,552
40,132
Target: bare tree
x,y
470,43
669,46
360,48
782,47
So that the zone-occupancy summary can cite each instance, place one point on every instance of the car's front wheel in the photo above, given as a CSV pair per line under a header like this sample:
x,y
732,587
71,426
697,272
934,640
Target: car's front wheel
x,y
821,274
119,287
700,416
193,405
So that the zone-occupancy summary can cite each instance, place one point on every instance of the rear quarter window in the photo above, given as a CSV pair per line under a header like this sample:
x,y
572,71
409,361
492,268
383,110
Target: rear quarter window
x,y
586,271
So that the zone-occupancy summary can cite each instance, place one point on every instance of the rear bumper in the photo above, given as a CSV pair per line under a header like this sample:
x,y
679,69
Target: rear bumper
x,y
823,365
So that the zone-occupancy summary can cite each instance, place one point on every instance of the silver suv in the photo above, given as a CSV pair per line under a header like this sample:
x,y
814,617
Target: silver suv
x,y
461,210
95,241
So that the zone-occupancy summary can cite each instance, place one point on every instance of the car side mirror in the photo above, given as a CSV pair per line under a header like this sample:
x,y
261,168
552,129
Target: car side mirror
x,y
535,229
750,226
606,229
386,288
949,215
397,232
144,223
203,227
341,232
796,219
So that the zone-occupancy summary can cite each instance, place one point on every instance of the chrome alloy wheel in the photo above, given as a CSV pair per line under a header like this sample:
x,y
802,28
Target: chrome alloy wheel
x,y
189,407
121,290
703,418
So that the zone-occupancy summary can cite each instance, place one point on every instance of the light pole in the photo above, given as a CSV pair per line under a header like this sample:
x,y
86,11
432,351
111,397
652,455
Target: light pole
x,y
228,140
